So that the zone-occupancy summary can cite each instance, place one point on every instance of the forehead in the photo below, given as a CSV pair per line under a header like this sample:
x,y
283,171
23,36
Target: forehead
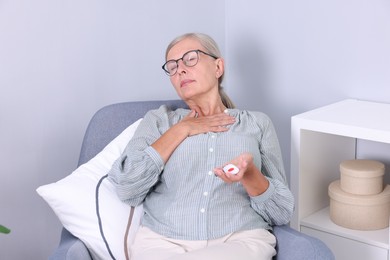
x,y
188,44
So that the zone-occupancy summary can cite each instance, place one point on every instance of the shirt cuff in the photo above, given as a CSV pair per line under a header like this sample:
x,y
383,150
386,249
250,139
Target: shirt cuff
x,y
266,194
155,156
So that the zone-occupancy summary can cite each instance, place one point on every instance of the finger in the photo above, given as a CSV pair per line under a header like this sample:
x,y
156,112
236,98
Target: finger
x,y
216,129
225,120
244,163
218,172
221,174
192,113
222,121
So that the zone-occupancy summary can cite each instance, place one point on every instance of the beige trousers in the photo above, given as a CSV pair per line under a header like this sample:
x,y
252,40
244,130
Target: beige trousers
x,y
258,244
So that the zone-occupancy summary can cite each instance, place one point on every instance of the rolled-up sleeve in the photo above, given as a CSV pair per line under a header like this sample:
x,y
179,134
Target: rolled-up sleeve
x,y
139,167
276,204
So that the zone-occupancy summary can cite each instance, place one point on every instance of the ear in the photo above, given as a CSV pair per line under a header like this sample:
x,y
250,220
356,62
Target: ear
x,y
220,67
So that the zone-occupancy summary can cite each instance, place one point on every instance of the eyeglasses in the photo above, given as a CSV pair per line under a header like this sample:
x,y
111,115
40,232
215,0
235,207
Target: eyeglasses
x,y
190,59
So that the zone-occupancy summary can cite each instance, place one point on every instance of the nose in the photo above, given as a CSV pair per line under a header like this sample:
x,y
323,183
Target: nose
x,y
181,67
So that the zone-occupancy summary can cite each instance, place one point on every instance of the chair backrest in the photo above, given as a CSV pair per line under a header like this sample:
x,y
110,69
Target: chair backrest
x,y
111,120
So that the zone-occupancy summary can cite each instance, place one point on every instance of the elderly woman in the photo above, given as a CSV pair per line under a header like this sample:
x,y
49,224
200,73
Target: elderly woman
x,y
174,165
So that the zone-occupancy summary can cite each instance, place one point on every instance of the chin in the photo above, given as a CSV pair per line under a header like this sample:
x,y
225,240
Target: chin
x,y
185,95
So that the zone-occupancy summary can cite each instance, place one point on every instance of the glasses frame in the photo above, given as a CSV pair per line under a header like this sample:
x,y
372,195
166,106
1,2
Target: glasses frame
x,y
177,61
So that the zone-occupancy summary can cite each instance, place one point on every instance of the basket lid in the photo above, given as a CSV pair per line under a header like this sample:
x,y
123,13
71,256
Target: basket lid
x,y
361,168
336,193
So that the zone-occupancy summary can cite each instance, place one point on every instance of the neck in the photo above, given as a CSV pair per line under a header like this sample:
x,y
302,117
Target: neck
x,y
207,107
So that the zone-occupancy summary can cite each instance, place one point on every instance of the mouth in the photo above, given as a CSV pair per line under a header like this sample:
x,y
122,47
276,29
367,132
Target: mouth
x,y
185,82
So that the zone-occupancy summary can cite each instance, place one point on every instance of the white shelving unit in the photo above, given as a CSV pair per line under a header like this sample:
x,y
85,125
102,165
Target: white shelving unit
x,y
320,140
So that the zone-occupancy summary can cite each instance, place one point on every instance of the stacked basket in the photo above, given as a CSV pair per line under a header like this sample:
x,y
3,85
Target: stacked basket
x,y
359,199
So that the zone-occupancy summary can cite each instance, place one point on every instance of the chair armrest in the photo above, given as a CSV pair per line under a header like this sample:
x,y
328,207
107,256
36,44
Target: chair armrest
x,y
292,244
70,248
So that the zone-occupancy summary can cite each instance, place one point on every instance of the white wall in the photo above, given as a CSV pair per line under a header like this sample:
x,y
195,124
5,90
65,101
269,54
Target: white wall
x,y
62,60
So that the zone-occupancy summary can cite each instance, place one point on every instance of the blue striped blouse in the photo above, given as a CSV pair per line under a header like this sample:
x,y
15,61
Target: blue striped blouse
x,y
183,199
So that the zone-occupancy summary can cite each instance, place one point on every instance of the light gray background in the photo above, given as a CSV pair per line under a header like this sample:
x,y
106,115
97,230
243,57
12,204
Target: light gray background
x,y
60,61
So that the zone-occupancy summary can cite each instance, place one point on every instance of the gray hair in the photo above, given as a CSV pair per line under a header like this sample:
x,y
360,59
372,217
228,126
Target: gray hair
x,y
212,48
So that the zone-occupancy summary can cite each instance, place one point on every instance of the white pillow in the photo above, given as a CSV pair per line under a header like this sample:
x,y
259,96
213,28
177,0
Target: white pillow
x,y
73,201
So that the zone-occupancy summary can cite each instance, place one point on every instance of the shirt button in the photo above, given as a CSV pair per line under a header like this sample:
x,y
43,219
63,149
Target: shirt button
x,y
213,136
202,210
205,193
210,173
211,150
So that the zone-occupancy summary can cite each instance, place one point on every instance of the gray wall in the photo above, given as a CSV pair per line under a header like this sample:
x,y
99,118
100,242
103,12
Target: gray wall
x,y
287,57
60,61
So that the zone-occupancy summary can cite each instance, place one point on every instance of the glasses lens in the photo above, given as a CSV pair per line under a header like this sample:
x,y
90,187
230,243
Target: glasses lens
x,y
171,67
190,58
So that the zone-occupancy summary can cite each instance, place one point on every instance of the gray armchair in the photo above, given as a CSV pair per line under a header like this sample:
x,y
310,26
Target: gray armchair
x,y
109,122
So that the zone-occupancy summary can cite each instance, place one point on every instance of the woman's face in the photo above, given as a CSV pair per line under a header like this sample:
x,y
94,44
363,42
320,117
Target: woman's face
x,y
199,81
